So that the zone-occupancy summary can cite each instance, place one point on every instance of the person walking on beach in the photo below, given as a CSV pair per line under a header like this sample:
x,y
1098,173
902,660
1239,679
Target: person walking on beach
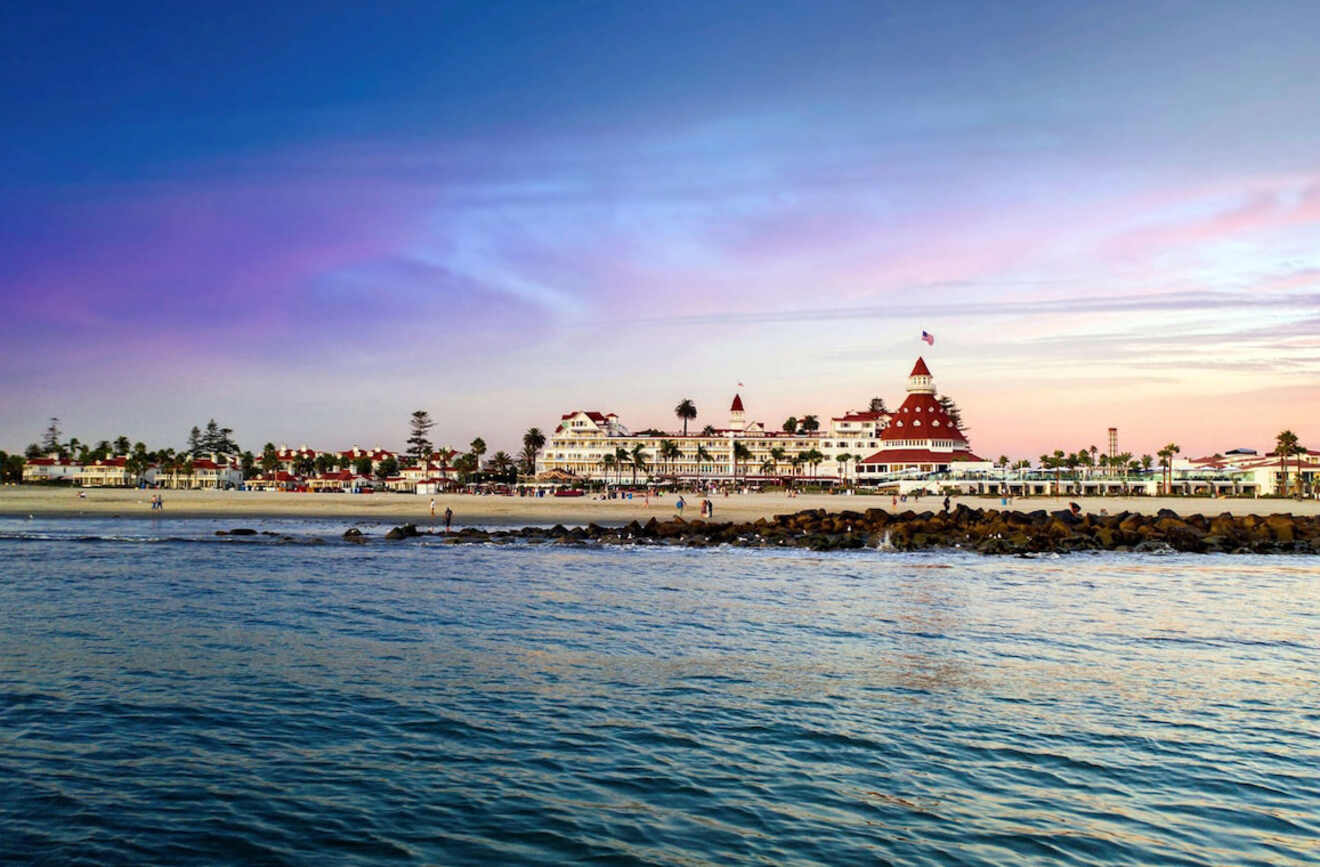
x,y
449,518
946,503
679,505
433,508
710,509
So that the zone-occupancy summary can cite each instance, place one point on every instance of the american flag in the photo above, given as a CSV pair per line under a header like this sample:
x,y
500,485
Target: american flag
x,y
928,337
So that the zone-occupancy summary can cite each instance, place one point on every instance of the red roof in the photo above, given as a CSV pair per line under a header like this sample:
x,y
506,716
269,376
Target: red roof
x,y
919,456
860,416
920,369
50,462
737,404
921,418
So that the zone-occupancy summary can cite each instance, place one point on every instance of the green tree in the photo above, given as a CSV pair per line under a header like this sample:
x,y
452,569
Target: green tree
x,y
270,459
607,463
843,460
777,455
704,458
741,454
50,441
247,464
323,463
708,430
621,460
362,466
501,464
387,468
122,445
670,452
952,411
11,469
687,411
809,424
477,448
638,460
1166,460
877,404
533,442
790,424
419,444
194,440
1285,445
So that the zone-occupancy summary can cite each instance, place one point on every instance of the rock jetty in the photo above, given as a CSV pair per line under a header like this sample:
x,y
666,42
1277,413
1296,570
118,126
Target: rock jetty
x,y
987,531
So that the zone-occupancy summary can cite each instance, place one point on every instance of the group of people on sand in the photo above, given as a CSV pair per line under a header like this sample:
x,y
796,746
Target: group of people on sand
x,y
707,507
157,503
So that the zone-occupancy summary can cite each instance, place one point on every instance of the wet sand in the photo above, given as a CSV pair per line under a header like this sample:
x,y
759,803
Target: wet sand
x,y
24,500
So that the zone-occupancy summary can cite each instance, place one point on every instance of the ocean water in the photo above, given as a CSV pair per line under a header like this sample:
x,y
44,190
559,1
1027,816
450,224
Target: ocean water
x,y
167,696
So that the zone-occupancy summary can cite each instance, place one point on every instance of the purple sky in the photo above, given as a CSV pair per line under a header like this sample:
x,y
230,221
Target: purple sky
x,y
307,225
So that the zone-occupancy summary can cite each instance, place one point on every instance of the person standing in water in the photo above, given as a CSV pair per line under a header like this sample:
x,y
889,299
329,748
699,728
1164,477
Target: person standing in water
x,y
449,518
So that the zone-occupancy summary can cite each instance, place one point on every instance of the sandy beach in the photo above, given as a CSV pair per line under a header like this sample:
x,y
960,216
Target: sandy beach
x,y
21,501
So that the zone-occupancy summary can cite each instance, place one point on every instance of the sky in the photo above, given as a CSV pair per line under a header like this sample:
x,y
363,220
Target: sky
x,y
307,222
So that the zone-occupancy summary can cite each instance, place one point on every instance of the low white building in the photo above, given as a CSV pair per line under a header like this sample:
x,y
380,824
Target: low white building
x,y
112,473
215,472
51,468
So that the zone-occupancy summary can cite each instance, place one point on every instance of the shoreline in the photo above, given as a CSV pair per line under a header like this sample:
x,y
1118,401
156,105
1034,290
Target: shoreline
x,y
31,501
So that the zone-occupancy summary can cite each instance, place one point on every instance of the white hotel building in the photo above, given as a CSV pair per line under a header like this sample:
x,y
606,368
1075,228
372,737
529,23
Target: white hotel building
x,y
918,436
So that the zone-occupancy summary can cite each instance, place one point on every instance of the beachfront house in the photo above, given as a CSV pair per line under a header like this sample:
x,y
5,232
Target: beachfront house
x,y
51,468
113,473
214,472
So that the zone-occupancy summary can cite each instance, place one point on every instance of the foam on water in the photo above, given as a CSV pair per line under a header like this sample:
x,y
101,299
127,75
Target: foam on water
x,y
259,702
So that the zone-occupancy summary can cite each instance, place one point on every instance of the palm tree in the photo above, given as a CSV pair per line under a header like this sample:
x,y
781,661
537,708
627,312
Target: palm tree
x,y
791,424
777,454
621,460
1054,462
1167,453
478,448
708,430
1285,444
500,464
638,460
669,452
533,442
809,424
740,453
608,463
1002,462
686,410
767,467
703,457
843,465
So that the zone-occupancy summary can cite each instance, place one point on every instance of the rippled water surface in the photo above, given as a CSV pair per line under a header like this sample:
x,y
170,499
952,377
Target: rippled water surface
x,y
169,696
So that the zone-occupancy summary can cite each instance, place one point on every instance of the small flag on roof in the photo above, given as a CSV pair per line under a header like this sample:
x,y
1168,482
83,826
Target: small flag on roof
x,y
740,385
928,337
